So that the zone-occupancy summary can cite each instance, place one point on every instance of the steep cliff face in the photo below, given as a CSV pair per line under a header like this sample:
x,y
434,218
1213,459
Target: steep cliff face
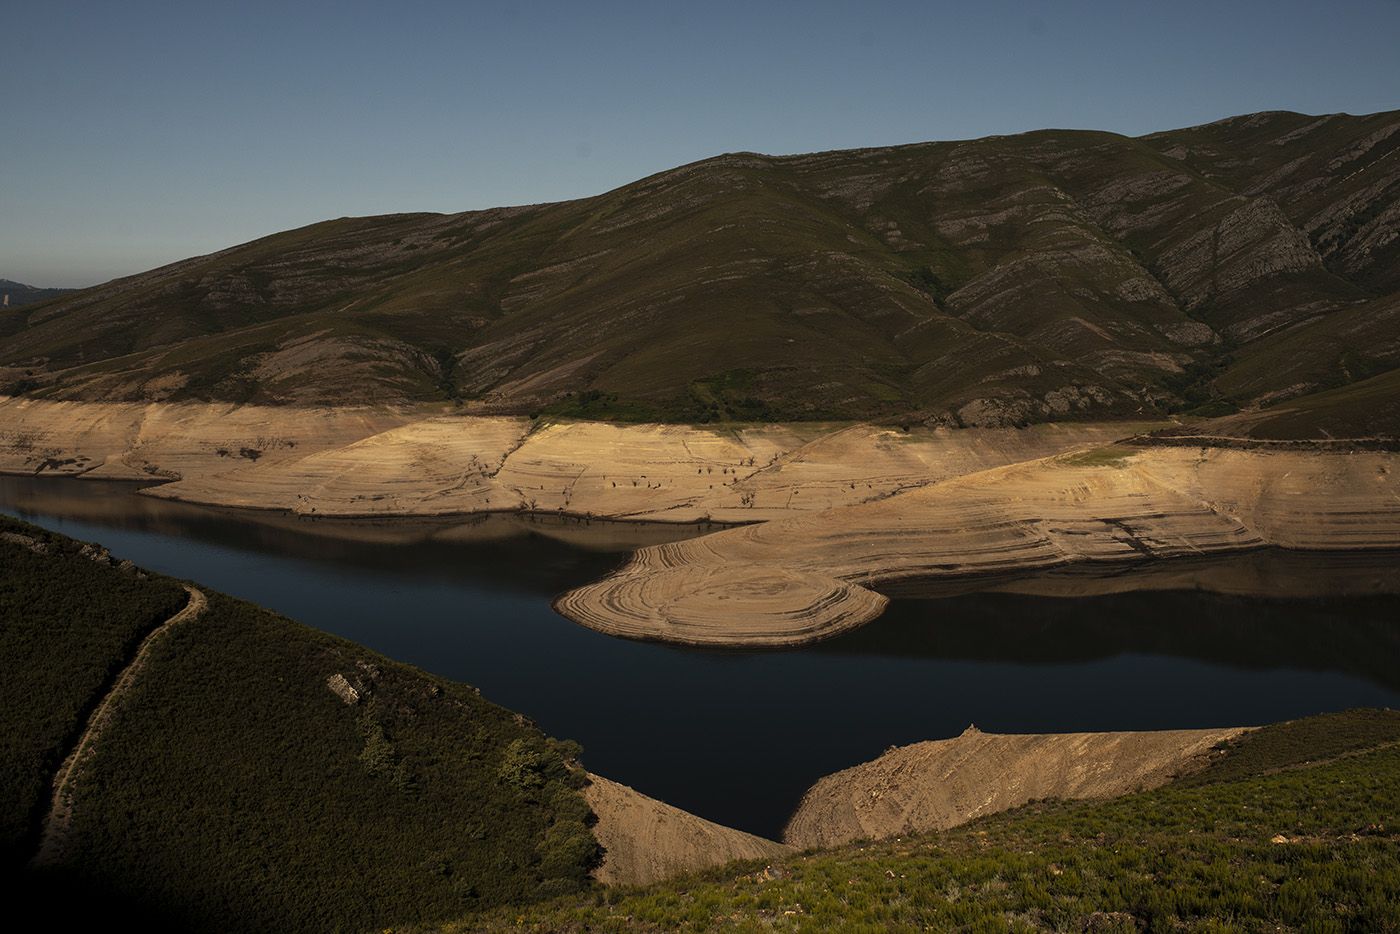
x,y
1051,275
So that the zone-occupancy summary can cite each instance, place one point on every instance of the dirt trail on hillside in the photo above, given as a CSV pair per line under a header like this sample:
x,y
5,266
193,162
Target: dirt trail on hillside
x,y
940,784
648,840
54,839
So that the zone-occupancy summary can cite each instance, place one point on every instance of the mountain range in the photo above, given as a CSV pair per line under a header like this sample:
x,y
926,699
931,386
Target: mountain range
x,y
13,294
1048,275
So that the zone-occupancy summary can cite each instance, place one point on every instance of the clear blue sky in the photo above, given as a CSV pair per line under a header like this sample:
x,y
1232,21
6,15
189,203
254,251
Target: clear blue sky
x,y
137,133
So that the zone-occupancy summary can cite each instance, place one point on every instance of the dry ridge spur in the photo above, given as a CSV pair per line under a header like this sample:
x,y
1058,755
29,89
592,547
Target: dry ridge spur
x,y
809,576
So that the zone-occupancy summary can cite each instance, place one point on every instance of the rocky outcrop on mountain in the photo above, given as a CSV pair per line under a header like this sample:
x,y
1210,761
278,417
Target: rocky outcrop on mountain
x,y
1335,177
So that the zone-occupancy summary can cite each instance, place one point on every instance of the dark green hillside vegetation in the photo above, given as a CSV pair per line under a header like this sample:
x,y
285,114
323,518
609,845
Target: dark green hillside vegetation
x,y
1259,842
1287,157
68,623
1050,275
1370,408
1300,742
236,790
233,789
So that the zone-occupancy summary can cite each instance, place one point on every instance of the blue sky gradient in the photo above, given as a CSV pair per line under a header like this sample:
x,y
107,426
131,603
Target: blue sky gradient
x,y
139,133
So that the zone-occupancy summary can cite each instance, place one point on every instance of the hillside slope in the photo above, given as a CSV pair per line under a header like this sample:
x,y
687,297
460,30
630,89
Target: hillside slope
x,y
1289,829
70,620
1054,274
224,768
938,784
256,774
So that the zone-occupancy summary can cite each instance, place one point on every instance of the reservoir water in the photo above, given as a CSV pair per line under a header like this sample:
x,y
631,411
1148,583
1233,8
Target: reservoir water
x,y
738,736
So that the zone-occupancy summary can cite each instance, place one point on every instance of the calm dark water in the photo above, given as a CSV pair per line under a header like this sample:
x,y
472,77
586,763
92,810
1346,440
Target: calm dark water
x,y
737,736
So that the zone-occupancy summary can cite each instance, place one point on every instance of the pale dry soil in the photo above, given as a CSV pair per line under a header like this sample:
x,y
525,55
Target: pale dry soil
x,y
812,575
940,784
1270,573
646,840
910,789
367,462
833,512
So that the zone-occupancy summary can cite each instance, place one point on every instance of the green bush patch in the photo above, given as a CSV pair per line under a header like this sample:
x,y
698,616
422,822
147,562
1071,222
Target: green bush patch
x,y
261,775
70,624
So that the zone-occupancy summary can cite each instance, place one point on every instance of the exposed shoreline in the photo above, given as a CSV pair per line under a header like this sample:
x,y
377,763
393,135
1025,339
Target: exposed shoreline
x,y
361,518
646,840
1072,579
1195,572
805,522
806,578
376,462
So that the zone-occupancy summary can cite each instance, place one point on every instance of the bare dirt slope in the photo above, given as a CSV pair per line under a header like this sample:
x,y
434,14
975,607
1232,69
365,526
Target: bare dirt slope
x,y
421,462
809,576
943,783
154,441
647,840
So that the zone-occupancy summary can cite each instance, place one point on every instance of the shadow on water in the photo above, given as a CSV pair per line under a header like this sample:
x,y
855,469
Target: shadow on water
x,y
738,736
1356,635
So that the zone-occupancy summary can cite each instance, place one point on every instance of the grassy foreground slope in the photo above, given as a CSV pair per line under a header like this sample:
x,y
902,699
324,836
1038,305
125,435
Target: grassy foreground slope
x,y
233,789
1292,829
70,620
1047,275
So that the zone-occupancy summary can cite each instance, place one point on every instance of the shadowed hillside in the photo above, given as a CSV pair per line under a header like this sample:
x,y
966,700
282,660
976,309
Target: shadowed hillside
x,y
1054,274
253,774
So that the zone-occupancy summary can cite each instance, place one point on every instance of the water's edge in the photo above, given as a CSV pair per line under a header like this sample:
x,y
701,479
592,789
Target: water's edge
x,y
737,737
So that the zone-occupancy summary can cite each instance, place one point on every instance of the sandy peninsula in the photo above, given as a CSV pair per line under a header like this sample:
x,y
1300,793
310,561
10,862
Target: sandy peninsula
x,y
811,576
923,787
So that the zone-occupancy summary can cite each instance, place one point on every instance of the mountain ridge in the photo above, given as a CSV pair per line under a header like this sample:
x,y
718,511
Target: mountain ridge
x,y
14,294
1004,280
